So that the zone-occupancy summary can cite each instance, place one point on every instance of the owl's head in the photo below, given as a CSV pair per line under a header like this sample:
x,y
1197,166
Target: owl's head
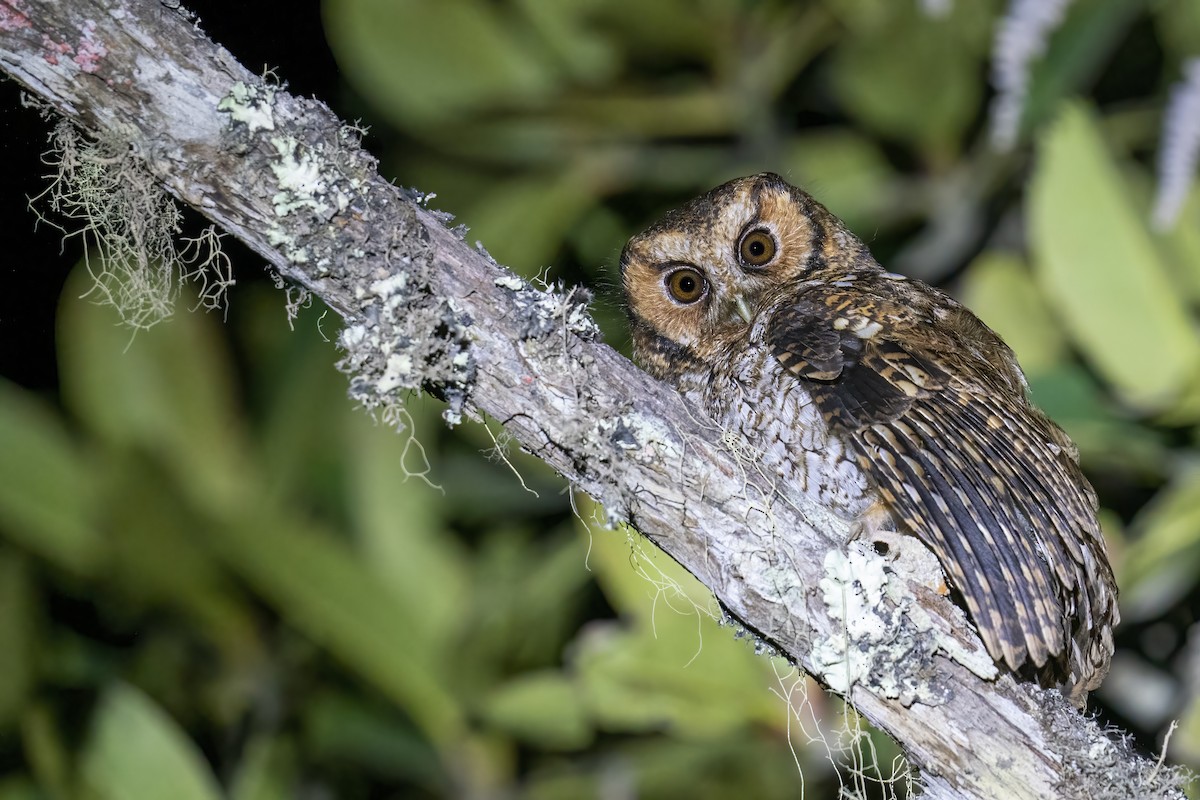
x,y
701,274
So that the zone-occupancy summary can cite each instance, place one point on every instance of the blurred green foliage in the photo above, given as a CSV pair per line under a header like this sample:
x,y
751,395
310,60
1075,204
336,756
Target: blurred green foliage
x,y
217,577
206,577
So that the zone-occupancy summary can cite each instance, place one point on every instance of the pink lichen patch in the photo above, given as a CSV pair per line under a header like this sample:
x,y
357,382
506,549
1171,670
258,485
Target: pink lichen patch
x,y
51,50
12,17
91,50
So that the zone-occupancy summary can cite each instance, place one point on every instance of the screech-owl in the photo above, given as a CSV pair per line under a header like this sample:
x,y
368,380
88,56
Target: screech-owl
x,y
887,400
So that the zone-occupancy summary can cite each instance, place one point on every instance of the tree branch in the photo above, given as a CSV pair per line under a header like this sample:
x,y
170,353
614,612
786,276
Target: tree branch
x,y
424,310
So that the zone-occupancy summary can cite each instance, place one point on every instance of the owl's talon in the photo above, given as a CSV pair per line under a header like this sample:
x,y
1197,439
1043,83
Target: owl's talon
x,y
876,526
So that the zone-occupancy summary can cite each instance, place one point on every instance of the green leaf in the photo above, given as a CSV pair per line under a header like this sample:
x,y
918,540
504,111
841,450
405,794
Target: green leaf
x,y
137,752
388,49
46,752
525,593
846,171
47,494
18,787
1077,52
693,679
1102,272
543,709
883,74
1162,563
369,738
672,664
167,390
1106,437
567,31
486,488
525,220
293,382
1000,290
1185,745
17,628
402,535
757,766
1181,246
636,576
158,554
1178,25
267,771
669,28
321,587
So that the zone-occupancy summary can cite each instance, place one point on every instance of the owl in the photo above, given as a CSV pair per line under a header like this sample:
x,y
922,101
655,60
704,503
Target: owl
x,y
888,402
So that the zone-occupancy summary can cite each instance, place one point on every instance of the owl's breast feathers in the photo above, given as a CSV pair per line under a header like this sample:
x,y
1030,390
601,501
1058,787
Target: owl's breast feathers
x,y
934,408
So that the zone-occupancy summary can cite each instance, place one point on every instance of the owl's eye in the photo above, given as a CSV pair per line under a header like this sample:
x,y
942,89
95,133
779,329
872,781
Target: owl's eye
x,y
686,285
757,248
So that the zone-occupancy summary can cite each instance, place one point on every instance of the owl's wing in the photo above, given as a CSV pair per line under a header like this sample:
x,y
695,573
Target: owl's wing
x,y
980,476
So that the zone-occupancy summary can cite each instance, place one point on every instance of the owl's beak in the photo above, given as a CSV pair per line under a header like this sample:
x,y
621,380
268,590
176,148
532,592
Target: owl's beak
x,y
743,308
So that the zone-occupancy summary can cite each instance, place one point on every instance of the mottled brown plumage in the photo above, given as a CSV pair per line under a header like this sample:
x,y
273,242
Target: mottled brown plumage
x,y
865,390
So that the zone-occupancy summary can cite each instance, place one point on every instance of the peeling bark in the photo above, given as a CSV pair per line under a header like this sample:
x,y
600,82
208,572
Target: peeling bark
x,y
425,310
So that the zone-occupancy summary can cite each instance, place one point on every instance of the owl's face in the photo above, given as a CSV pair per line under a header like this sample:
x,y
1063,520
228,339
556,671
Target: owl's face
x,y
701,275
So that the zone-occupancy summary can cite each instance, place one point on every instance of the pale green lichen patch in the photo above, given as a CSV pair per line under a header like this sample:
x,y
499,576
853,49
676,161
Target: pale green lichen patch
x,y
552,309
510,282
403,336
852,589
284,240
408,340
885,639
316,184
251,105
318,173
309,180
